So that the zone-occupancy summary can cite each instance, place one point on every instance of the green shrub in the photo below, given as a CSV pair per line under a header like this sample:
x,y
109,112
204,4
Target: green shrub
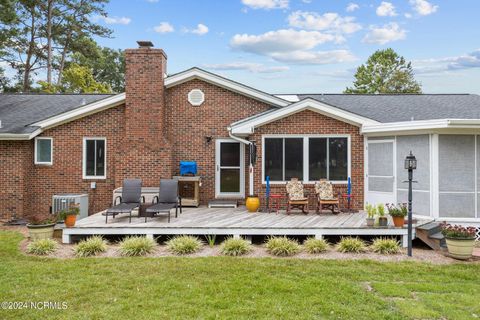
x,y
313,245
236,247
351,244
42,247
386,246
282,246
184,244
91,246
137,246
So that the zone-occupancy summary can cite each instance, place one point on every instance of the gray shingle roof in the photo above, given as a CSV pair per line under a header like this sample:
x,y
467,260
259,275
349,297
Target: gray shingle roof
x,y
404,107
18,111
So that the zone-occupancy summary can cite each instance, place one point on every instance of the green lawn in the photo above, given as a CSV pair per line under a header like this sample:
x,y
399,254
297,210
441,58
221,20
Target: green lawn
x,y
235,288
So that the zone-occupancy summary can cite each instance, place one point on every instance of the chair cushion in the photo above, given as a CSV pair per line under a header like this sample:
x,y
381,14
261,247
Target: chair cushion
x,y
295,190
324,190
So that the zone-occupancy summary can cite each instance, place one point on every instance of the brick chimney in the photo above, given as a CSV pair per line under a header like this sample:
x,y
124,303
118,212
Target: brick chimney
x,y
146,152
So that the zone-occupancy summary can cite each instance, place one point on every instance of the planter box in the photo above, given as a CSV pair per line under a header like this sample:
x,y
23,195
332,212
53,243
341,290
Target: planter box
x,y
460,248
41,231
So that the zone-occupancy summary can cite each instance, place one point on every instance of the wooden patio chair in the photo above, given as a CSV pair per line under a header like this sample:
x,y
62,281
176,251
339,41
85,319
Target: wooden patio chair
x,y
295,196
325,197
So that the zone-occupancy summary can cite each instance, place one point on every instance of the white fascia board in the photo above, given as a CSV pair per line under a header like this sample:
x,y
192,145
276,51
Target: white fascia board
x,y
20,136
248,127
81,112
421,125
196,73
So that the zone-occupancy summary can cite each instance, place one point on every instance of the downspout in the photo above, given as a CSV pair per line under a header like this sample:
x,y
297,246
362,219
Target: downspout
x,y
250,167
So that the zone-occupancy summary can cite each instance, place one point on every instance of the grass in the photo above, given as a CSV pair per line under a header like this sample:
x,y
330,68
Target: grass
x,y
385,246
137,246
235,287
313,245
42,247
351,245
282,246
91,246
184,245
236,247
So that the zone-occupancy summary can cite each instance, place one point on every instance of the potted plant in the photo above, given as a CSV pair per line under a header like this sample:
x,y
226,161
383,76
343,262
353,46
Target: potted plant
x,y
252,203
371,212
460,240
382,219
398,214
41,226
69,216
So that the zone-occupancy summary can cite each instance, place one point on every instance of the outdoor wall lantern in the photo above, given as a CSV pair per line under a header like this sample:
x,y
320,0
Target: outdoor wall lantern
x,y
410,165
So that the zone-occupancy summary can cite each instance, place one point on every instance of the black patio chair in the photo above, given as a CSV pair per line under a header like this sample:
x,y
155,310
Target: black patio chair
x,y
130,199
166,200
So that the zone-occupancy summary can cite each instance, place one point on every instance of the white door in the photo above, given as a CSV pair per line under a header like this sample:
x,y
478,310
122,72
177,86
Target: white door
x,y
380,176
229,168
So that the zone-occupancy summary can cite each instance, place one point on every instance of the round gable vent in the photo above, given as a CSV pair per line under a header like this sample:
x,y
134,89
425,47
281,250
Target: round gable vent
x,y
196,97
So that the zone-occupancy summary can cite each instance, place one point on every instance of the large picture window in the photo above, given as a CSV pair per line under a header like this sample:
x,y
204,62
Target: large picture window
x,y
308,158
94,158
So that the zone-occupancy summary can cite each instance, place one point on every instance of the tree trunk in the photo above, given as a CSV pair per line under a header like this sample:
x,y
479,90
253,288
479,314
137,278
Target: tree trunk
x,y
31,46
49,41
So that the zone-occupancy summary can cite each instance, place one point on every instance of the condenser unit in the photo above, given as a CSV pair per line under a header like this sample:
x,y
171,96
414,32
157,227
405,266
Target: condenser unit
x,y
64,201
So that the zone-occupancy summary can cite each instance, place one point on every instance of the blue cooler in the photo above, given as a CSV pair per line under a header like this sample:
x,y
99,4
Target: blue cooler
x,y
188,167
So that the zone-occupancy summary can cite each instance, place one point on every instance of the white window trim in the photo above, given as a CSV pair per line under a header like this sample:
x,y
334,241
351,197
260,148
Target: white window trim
x,y
305,138
84,162
219,194
49,163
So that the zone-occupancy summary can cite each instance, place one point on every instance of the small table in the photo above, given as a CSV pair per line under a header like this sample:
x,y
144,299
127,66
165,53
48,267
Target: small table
x,y
196,182
276,201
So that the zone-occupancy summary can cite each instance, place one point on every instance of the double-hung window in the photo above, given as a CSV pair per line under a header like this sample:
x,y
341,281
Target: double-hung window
x,y
43,150
94,158
308,158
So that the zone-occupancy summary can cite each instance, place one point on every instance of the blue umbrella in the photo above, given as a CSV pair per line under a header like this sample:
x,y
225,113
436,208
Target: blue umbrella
x,y
349,191
267,192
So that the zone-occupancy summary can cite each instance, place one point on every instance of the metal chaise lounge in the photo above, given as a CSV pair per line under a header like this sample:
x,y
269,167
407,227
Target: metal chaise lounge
x,y
166,200
129,200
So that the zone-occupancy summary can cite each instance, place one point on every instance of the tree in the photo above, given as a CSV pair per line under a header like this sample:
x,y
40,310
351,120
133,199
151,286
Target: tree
x,y
107,65
3,80
385,72
76,79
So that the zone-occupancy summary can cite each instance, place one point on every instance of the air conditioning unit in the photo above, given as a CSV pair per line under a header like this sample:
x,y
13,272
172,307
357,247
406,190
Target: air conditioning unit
x,y
64,201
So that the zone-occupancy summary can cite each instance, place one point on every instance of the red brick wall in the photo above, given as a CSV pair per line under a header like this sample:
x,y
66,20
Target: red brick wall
x,y
309,122
15,160
188,126
65,175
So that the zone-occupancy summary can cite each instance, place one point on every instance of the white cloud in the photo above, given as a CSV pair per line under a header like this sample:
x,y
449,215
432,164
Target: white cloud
x,y
352,7
307,1
248,66
113,20
266,4
164,27
314,57
329,22
386,9
291,46
466,61
201,30
387,33
423,7
408,15
152,1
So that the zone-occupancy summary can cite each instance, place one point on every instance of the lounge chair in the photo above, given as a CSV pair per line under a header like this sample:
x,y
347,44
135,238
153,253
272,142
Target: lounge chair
x,y
130,199
325,197
296,196
166,200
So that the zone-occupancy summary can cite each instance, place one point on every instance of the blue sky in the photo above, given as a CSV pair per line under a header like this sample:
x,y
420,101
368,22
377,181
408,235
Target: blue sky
x,y
306,46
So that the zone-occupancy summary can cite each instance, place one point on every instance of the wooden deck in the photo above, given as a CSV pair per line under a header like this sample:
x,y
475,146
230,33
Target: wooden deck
x,y
236,222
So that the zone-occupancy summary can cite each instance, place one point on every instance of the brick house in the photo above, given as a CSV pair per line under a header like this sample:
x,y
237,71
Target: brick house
x,y
51,144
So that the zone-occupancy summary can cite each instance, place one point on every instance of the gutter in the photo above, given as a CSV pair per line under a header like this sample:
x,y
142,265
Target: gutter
x,y
19,136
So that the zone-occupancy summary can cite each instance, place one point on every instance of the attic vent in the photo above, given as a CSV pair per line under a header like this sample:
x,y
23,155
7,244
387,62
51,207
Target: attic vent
x,y
196,97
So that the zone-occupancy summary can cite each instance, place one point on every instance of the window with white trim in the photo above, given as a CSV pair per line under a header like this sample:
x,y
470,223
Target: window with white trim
x,y
94,158
308,158
43,150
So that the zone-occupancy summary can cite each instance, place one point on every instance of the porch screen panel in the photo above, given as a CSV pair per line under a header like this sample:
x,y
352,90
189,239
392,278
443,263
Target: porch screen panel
x,y
420,203
420,147
380,159
457,176
380,184
274,158
293,158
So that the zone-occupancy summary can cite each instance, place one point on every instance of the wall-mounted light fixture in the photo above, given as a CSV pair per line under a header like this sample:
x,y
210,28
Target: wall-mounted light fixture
x,y
208,139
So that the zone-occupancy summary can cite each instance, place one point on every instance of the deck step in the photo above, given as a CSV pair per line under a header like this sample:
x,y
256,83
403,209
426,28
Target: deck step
x,y
220,203
431,227
437,236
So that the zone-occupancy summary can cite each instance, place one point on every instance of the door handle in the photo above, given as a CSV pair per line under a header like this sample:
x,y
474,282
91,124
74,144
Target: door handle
x,y
218,167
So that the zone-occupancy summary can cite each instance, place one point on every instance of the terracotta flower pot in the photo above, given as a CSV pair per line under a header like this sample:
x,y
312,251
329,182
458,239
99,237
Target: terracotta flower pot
x,y
70,220
252,203
460,248
40,231
398,221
